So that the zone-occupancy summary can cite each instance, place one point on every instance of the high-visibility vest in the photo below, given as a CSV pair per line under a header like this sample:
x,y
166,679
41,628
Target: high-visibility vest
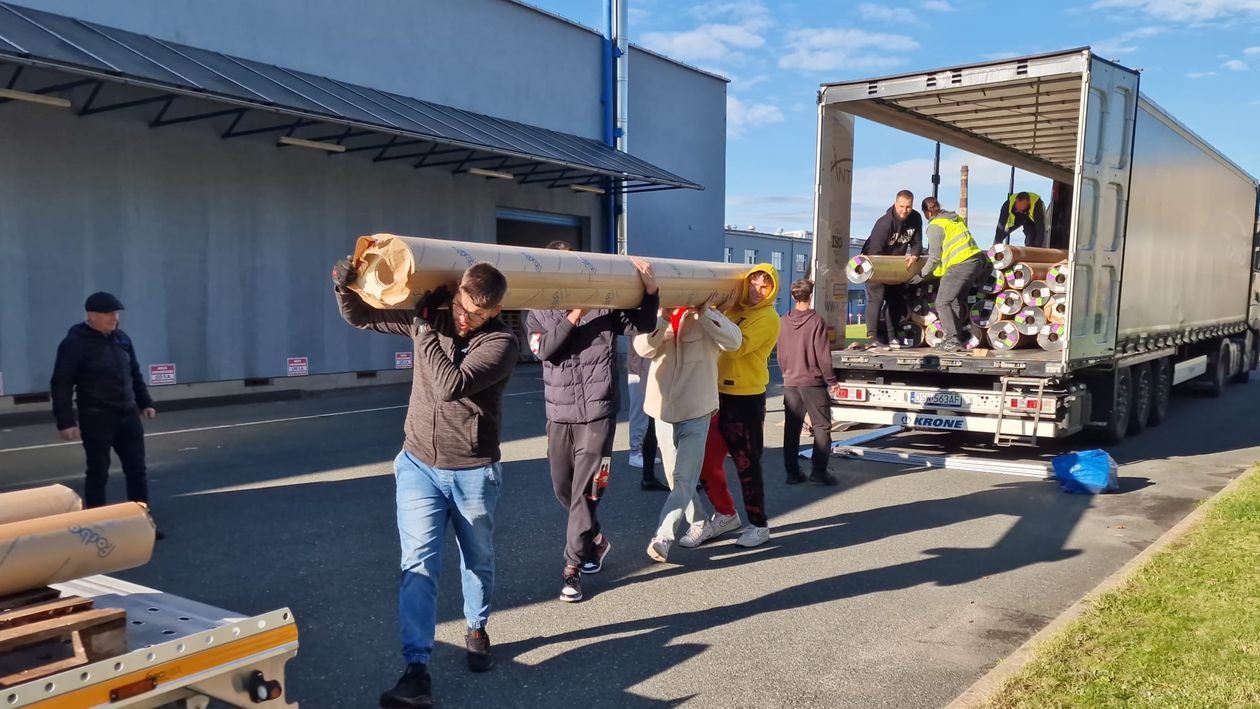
x,y
958,245
1033,199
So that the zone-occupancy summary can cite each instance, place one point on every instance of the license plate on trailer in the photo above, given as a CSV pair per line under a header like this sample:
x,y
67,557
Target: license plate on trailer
x,y
936,399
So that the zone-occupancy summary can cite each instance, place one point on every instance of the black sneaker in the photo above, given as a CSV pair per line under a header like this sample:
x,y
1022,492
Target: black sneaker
x,y
478,644
571,590
794,477
414,689
823,478
595,565
653,485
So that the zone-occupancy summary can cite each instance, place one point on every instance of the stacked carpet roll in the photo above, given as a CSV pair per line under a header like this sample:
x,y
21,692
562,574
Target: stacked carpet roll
x,y
1021,304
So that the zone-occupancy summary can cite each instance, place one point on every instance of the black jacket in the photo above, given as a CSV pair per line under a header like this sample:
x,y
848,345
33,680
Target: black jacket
x,y
1034,227
580,377
98,372
454,417
893,237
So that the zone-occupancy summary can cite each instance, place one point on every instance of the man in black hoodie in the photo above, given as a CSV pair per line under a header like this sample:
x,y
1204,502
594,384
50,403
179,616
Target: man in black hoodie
x,y
97,370
898,233
808,377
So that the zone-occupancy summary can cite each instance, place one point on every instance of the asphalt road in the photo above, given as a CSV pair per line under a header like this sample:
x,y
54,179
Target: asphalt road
x,y
898,588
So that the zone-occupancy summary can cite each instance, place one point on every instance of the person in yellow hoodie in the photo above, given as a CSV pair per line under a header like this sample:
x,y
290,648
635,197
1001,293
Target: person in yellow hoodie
x,y
737,427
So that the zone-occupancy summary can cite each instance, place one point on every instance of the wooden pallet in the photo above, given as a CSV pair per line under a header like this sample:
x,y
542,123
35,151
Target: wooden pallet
x,y
42,634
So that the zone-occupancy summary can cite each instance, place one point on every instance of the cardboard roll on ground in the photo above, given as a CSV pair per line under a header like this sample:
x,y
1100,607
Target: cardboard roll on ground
x,y
1053,337
393,271
910,334
1057,277
1008,302
46,550
1019,275
881,269
1037,294
38,502
1029,320
1004,335
1056,309
933,335
1006,255
983,313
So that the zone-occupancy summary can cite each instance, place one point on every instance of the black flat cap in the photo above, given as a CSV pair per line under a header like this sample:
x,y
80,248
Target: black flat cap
x,y
102,302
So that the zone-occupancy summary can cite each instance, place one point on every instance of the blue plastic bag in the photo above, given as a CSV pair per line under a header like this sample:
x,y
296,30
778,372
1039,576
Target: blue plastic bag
x,y
1086,472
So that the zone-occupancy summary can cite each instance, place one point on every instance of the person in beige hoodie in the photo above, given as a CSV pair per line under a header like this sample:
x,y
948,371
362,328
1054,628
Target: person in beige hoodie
x,y
682,395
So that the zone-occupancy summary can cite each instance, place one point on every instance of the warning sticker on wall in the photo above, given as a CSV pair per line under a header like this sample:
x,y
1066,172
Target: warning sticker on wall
x,y
299,366
402,360
161,374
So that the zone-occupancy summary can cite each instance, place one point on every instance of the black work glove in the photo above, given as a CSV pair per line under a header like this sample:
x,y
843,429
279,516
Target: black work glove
x,y
430,302
915,279
343,272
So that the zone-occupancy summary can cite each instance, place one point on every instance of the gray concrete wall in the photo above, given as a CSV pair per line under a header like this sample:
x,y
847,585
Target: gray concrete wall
x,y
221,248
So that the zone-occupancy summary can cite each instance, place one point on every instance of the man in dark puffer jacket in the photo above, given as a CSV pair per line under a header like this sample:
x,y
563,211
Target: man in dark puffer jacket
x,y
578,349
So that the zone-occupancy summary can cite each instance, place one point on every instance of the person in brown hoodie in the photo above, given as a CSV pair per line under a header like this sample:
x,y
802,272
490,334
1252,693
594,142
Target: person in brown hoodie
x,y
808,377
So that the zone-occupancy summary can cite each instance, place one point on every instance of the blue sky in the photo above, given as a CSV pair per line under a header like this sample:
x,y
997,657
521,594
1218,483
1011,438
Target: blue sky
x,y
1200,60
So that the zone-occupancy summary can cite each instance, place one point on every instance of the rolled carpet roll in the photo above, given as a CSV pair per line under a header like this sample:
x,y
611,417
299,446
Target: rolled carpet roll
x,y
1057,277
1056,309
910,334
973,338
1053,337
996,283
102,540
1019,275
38,502
393,271
921,311
983,313
1004,335
880,269
1029,320
933,335
1008,302
1005,255
1037,294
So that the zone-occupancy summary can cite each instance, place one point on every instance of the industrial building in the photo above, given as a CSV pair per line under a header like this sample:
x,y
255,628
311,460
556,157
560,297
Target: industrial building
x,y
208,162
791,253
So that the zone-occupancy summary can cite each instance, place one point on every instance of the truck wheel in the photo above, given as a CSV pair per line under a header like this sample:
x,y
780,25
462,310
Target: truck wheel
x,y
1161,390
1218,370
1121,407
1248,360
1143,393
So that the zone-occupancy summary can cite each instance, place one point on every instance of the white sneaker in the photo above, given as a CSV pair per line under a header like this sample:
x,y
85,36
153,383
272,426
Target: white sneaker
x,y
721,524
696,534
658,549
753,536
636,460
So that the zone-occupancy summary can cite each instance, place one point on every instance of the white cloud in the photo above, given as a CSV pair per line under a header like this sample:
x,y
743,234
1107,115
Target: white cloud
x,y
937,6
1199,74
744,9
840,48
1188,11
742,29
769,212
887,13
1235,65
1123,43
1252,51
741,116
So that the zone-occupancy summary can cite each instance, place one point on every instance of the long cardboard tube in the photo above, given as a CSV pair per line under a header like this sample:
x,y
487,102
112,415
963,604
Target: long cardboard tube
x,y
1037,294
394,271
910,334
38,502
1030,320
1056,309
1053,337
1004,335
1008,302
1004,255
1019,275
1058,277
102,540
881,269
983,313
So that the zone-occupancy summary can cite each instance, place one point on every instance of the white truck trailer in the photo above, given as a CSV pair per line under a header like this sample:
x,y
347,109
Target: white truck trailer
x,y
1161,231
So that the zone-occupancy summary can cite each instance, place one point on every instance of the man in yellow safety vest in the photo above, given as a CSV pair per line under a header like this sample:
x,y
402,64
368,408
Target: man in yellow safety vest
x,y
1027,210
953,257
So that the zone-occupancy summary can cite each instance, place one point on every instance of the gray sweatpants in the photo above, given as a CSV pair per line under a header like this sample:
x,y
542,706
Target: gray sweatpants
x,y
951,296
575,451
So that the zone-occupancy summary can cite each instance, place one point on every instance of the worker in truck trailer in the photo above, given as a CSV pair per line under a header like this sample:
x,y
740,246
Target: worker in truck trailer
x,y
448,470
899,232
1027,210
578,349
97,376
738,425
953,257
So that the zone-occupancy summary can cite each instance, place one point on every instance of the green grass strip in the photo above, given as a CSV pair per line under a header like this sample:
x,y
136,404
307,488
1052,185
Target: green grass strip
x,y
1184,631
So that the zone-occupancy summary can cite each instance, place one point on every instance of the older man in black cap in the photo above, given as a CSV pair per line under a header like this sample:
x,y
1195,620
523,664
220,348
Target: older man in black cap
x,y
98,374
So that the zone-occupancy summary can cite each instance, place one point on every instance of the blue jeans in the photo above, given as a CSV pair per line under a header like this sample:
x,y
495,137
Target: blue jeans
x,y
427,497
682,452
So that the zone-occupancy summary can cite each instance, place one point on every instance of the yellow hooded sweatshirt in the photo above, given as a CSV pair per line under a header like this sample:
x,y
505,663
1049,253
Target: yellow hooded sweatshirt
x,y
746,370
